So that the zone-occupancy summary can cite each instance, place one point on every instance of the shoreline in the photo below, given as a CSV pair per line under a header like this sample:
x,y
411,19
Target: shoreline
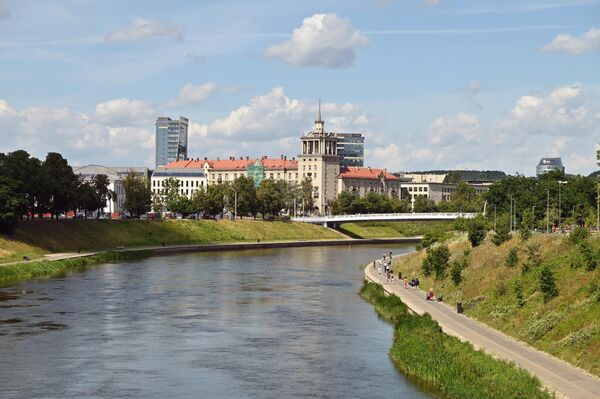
x,y
566,380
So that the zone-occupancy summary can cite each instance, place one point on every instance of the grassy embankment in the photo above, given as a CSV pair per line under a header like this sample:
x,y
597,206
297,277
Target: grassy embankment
x,y
451,368
567,326
35,238
11,274
395,229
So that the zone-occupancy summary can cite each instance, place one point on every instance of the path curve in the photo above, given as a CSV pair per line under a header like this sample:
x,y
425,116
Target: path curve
x,y
566,380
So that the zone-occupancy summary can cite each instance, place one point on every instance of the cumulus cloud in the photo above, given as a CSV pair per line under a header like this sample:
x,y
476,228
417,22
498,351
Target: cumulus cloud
x,y
142,29
323,40
190,94
123,111
564,111
462,127
589,41
275,115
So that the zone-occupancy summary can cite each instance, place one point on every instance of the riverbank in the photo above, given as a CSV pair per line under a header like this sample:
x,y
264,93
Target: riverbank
x,y
507,296
24,270
34,239
449,367
396,229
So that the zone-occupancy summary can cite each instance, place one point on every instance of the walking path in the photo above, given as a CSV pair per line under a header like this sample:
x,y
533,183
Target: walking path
x,y
566,380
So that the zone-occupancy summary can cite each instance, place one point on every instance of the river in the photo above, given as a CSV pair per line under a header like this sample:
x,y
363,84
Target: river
x,y
248,324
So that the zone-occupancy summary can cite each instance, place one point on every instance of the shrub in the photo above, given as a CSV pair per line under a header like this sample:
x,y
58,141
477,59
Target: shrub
x,y
456,271
533,258
540,327
527,223
548,284
579,234
502,231
429,239
512,258
436,261
477,230
518,288
500,289
588,256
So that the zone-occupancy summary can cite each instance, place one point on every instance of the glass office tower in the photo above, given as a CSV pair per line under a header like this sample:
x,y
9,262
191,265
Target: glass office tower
x,y
351,149
171,140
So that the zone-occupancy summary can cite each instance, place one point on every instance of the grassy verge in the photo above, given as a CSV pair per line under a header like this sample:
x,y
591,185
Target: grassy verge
x,y
395,229
12,274
567,326
34,238
451,368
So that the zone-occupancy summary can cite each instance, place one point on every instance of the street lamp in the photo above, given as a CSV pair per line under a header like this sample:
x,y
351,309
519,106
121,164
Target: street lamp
x,y
548,212
234,203
560,183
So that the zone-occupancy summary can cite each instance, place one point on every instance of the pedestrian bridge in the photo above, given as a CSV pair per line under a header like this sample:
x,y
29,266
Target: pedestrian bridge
x,y
375,217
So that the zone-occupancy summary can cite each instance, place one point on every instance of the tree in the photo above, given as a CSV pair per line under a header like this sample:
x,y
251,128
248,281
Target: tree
x,y
436,261
100,184
63,183
85,198
423,204
502,230
456,270
306,187
157,203
138,196
214,201
548,284
28,180
518,288
512,258
534,258
170,194
269,198
477,230
246,196
10,204
526,225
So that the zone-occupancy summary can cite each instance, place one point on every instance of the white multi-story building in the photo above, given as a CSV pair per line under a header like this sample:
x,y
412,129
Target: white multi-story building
x,y
437,192
362,181
115,203
190,179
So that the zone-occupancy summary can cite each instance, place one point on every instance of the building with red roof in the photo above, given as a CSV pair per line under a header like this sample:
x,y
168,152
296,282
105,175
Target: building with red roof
x,y
363,180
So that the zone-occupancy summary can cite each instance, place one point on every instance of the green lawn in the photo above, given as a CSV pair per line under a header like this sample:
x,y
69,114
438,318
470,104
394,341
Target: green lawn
x,y
394,229
34,238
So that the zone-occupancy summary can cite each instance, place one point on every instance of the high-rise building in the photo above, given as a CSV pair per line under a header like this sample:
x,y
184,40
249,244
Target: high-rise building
x,y
351,149
319,161
549,164
171,140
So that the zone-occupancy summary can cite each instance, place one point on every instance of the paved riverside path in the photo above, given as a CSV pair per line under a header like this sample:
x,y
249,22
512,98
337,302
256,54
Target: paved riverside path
x,y
559,376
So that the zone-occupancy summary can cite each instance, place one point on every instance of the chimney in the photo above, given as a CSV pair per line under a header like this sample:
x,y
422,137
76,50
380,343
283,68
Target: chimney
x,y
281,156
247,158
218,159
285,157
205,158
241,158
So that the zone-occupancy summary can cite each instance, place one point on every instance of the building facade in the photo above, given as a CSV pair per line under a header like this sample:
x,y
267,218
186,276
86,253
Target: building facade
x,y
548,165
114,204
437,192
170,140
190,179
351,149
362,181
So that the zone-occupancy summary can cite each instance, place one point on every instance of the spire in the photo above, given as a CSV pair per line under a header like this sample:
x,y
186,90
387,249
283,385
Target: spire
x,y
319,115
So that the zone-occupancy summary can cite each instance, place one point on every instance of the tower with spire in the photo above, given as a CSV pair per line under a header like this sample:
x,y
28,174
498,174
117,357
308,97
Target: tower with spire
x,y
319,162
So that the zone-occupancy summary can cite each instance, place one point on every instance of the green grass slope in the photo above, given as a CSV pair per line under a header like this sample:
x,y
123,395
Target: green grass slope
x,y
37,237
567,326
394,229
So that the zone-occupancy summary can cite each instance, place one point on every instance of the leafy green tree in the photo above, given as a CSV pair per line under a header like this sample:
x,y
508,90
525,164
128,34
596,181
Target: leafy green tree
x,y
423,204
100,184
138,196
578,235
534,258
456,269
214,199
518,288
585,257
11,202
157,203
502,232
436,261
63,183
308,203
170,193
477,230
183,205
548,284
526,225
85,198
512,258
247,204
269,198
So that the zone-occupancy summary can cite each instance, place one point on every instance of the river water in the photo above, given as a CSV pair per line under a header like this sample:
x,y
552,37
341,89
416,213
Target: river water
x,y
250,324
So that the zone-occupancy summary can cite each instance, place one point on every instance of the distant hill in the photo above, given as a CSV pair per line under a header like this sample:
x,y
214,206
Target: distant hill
x,y
595,174
468,175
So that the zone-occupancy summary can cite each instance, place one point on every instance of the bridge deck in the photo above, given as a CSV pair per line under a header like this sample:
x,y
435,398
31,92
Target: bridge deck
x,y
383,217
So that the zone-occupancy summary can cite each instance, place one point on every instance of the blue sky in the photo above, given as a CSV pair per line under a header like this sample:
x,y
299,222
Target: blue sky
x,y
432,84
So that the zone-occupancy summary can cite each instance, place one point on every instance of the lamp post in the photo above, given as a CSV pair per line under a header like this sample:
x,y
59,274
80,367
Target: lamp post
x,y
560,183
548,211
234,203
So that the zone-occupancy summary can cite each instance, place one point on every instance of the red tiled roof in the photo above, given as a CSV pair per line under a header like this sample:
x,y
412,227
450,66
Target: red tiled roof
x,y
236,164
355,172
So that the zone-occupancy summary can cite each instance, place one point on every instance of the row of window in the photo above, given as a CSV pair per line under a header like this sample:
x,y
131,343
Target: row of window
x,y
182,183
419,189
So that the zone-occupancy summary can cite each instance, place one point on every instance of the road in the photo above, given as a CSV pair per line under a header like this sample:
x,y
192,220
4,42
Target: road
x,y
564,379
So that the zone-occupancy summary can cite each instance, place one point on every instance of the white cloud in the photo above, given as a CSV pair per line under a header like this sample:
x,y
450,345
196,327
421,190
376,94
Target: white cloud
x,y
124,111
142,29
565,111
463,128
274,115
6,110
190,94
589,41
323,40
124,136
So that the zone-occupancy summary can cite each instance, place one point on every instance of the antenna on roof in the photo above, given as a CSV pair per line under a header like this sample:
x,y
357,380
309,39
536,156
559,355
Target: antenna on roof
x,y
319,114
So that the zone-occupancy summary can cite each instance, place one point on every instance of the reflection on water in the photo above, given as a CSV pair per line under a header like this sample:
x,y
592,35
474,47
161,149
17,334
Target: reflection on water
x,y
257,324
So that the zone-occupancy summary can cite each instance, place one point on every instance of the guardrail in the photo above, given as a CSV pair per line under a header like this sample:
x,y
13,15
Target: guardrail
x,y
384,216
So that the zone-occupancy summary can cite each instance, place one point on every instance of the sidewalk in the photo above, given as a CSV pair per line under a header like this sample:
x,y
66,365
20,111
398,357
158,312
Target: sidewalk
x,y
559,376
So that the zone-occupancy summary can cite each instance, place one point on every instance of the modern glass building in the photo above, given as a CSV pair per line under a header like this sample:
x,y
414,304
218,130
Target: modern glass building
x,y
171,140
351,149
549,164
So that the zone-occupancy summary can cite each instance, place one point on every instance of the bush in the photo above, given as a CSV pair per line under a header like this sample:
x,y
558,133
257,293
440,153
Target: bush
x,y
436,261
477,230
578,235
500,289
533,258
548,284
502,231
587,255
429,239
512,258
456,271
518,288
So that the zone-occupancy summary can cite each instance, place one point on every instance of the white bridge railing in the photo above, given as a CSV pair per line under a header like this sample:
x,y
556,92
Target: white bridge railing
x,y
384,216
